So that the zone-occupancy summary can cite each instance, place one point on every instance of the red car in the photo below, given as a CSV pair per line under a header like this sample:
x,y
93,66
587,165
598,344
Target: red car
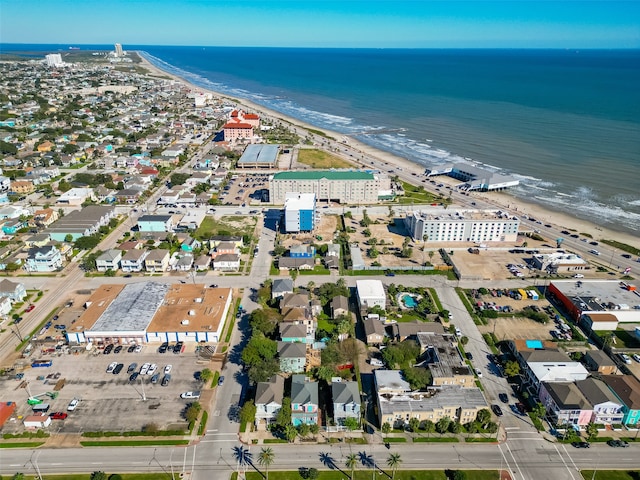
x,y
58,416
30,307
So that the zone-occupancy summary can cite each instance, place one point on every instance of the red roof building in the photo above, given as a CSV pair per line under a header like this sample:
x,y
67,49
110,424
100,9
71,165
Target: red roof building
x,y
6,410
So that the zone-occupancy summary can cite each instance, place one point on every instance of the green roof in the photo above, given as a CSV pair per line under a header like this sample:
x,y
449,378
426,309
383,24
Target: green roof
x,y
328,174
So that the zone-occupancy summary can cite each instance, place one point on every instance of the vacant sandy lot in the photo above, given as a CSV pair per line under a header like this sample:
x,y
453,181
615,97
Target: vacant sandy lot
x,y
515,328
326,228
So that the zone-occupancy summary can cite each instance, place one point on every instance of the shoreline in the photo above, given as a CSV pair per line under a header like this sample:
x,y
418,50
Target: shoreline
x,y
499,199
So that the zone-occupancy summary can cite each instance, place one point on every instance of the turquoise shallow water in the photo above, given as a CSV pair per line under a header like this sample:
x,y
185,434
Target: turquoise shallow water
x,y
567,123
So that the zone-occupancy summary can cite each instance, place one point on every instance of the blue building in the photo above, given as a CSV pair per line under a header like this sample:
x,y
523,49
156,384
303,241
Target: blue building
x,y
155,223
299,212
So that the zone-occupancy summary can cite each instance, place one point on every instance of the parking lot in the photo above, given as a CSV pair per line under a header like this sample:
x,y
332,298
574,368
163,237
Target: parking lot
x,y
245,189
108,402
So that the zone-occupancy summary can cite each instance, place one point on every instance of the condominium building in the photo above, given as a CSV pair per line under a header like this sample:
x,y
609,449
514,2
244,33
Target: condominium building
x,y
440,225
344,186
299,212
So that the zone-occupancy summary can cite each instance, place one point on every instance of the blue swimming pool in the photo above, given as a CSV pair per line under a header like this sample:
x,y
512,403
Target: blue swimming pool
x,y
409,301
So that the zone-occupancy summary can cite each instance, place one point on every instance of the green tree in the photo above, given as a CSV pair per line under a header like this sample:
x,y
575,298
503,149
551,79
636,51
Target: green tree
x,y
18,476
394,460
70,148
512,368
443,425
414,424
248,412
592,431
539,410
455,427
192,412
483,416
459,475
351,423
312,473
464,340
98,476
351,463
68,238
294,274
264,370
258,349
386,428
115,476
428,426
179,178
87,243
283,417
290,432
266,458
417,377
303,430
206,375
7,148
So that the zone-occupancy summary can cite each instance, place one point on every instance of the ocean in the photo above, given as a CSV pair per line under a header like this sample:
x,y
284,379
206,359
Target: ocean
x,y
564,122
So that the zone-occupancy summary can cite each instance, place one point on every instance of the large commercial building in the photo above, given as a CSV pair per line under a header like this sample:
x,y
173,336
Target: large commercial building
x,y
474,177
598,304
440,225
81,223
259,156
152,312
299,212
344,186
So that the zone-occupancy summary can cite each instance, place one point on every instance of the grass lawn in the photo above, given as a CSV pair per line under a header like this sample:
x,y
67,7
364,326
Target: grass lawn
x,y
321,159
133,443
417,194
317,270
435,440
609,475
21,444
326,325
125,476
231,225
365,474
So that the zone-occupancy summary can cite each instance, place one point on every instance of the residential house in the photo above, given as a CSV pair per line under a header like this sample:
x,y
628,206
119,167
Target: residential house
x,y
155,223
292,356
237,131
304,400
189,244
5,183
217,239
184,263
292,333
128,196
76,196
447,367
22,187
332,257
11,227
5,307
133,260
339,306
566,403
226,262
400,331
109,260
43,259
374,331
157,260
289,263
543,361
346,401
302,251
627,390
202,263
371,294
13,212
45,217
16,292
607,408
81,223
268,399
37,240
599,361
281,287
225,248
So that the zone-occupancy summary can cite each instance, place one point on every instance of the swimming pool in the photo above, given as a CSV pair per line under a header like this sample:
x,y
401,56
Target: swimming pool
x,y
409,301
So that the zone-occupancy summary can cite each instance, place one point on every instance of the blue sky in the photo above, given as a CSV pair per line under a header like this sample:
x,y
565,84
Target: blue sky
x,y
345,23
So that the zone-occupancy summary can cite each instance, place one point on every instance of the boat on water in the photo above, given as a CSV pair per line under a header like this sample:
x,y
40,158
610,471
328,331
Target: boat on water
x,y
74,48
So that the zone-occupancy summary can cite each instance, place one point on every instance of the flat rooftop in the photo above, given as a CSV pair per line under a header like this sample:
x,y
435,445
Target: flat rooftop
x,y
442,215
449,397
326,174
599,296
259,155
80,220
442,355
189,308
132,309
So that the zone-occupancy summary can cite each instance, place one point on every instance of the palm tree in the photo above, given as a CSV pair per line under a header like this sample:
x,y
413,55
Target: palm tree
x,y
394,462
266,458
351,463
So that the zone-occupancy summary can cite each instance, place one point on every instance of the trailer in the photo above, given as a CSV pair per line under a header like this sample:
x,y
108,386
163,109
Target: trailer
x,y
41,363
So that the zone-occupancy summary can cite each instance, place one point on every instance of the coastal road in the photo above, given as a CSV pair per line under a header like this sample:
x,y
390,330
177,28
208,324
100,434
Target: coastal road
x,y
539,460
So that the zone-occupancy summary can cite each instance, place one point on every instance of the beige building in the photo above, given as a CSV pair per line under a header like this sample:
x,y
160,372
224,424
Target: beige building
x,y
397,405
445,360
344,186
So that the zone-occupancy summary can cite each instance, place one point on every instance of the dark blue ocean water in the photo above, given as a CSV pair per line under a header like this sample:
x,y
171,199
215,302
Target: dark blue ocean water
x,y
566,122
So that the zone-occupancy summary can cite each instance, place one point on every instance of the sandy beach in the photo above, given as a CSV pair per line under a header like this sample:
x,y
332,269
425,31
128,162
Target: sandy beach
x,y
501,200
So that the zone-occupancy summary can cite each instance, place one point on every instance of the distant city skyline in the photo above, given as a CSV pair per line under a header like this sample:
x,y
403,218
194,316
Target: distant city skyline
x,y
345,23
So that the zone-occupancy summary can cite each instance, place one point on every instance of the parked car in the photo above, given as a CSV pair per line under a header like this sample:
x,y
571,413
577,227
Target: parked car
x,y
195,394
58,415
497,410
178,348
152,369
469,355
145,368
478,373
625,358
221,380
581,444
138,348
133,377
163,348
112,367
617,443
131,348
504,398
132,368
165,380
118,368
636,357
155,378
30,308
73,404
118,349
167,369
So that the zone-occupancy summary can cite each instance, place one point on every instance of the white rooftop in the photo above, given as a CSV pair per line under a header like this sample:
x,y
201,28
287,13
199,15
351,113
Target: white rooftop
x,y
370,289
299,201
